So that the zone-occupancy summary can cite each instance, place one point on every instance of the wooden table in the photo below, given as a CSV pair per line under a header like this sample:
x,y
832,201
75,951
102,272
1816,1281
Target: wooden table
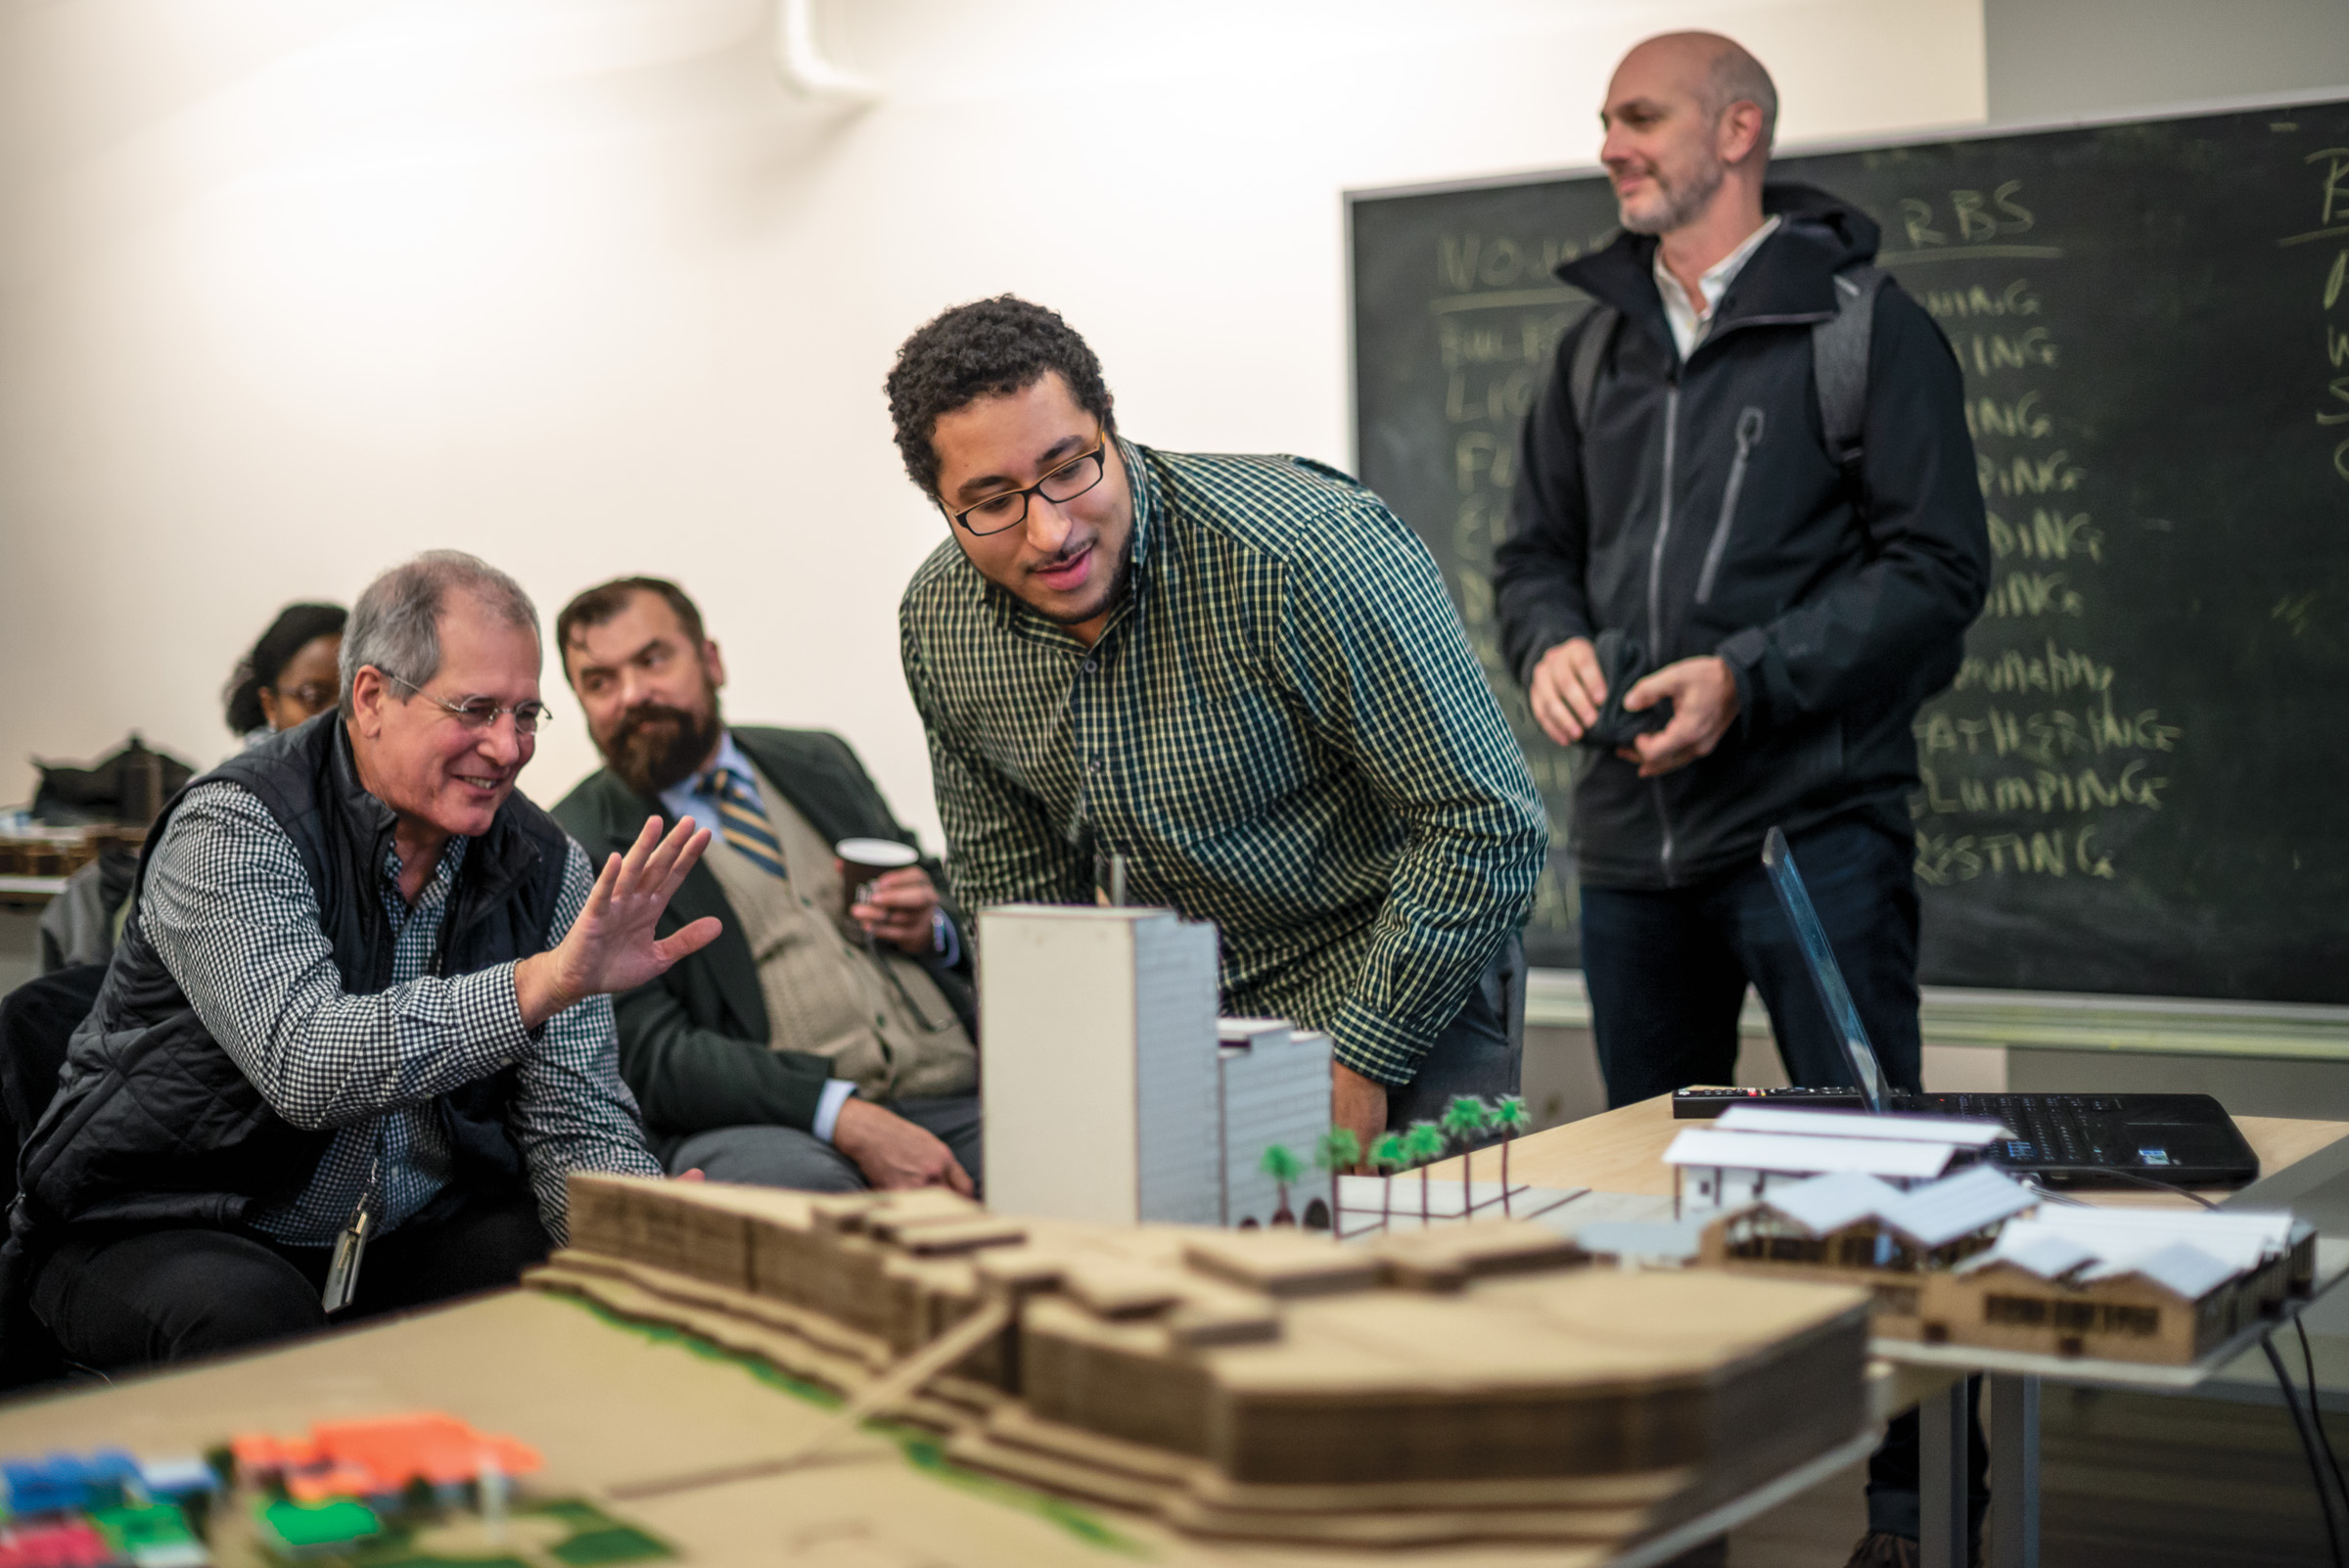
x,y
607,1404
1622,1151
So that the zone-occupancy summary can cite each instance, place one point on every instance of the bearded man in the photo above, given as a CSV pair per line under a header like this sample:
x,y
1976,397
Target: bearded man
x,y
1745,543
805,1047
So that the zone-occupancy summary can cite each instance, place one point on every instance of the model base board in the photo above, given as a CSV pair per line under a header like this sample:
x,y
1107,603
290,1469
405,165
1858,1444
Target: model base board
x,y
1223,1381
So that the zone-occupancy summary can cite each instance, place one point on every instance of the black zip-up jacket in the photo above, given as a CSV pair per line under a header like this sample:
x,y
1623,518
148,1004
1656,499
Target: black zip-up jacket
x,y
1702,514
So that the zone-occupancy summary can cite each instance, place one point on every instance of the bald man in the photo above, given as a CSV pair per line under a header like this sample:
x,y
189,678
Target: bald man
x,y
1767,575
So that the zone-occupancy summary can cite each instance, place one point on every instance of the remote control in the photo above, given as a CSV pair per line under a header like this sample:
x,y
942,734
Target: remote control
x,y
1705,1103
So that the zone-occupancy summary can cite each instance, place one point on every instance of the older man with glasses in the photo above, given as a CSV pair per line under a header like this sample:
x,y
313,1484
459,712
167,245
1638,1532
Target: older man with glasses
x,y
358,1031
1242,678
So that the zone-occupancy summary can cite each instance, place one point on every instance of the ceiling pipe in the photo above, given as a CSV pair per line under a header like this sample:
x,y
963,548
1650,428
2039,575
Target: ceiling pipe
x,y
803,66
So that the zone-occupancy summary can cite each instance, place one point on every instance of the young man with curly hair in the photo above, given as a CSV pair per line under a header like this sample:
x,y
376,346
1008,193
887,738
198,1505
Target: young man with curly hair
x,y
1242,675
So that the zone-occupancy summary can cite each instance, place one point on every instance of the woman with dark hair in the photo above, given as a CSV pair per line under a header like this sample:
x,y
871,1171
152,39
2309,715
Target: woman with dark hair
x,y
290,674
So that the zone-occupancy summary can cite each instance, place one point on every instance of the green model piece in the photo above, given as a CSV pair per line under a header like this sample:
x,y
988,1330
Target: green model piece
x,y
1464,1118
316,1528
1387,1158
154,1535
1338,1152
1283,1167
1422,1145
1509,1119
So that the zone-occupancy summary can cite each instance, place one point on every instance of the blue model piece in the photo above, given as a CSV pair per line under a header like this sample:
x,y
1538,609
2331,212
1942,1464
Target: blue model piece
x,y
66,1480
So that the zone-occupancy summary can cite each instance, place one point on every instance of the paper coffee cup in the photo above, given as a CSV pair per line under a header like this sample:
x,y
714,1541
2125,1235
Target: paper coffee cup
x,y
864,860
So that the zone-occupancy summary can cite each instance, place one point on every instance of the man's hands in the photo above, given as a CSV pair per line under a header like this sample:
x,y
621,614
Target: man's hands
x,y
898,908
892,1153
1704,704
609,946
1566,690
1358,1104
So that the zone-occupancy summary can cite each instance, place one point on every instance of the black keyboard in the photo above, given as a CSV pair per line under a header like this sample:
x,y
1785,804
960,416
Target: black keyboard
x,y
2118,1141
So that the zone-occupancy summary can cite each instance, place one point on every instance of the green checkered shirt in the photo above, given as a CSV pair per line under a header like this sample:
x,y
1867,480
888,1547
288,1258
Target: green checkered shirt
x,y
1283,730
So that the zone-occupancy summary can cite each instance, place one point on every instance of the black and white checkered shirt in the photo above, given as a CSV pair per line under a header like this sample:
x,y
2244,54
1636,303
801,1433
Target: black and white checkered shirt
x,y
234,917
1283,730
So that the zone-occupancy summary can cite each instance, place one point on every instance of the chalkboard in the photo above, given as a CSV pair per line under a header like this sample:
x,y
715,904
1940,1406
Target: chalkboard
x,y
2134,785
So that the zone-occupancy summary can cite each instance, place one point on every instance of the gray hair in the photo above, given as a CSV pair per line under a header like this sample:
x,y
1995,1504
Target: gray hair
x,y
1738,78
396,625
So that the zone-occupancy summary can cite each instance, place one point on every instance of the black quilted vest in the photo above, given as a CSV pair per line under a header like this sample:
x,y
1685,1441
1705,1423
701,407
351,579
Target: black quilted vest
x,y
154,1121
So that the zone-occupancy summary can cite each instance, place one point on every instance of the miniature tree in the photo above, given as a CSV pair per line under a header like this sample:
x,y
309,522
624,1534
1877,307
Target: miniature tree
x,y
1464,1118
1338,1152
1387,1158
1422,1145
1283,1167
1508,1119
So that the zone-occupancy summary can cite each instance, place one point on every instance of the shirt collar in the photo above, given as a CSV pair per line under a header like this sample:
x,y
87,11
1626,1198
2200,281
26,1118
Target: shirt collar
x,y
1714,282
680,798
445,874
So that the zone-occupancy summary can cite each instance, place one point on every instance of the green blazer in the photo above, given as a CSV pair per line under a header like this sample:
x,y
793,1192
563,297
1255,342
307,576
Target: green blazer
x,y
693,1044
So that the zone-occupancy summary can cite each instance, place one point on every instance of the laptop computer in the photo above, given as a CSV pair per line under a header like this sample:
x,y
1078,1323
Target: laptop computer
x,y
2089,1140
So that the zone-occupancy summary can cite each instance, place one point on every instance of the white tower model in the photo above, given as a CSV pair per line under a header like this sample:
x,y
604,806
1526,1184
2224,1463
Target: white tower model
x,y
1099,1088
1276,1091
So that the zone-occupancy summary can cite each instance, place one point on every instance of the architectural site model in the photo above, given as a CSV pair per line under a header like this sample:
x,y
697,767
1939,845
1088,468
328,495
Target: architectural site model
x,y
1477,1382
1145,1320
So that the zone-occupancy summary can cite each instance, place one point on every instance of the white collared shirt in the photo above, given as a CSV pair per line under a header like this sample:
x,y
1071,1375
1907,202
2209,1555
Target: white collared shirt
x,y
1690,318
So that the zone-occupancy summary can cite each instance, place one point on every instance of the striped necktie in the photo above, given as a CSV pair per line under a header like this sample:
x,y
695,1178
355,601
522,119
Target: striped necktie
x,y
747,829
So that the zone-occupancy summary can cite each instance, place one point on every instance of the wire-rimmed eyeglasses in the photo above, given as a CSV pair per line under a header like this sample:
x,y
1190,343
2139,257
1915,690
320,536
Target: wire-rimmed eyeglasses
x,y
1009,510
481,713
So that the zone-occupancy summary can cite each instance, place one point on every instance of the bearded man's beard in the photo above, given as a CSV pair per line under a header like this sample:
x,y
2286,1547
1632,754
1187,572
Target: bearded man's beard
x,y
656,746
1680,203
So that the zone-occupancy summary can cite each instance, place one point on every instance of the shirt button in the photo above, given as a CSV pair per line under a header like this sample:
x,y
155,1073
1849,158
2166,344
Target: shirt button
x,y
1090,664
1093,766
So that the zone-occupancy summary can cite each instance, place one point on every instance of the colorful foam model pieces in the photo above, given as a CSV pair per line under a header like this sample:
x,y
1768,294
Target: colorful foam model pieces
x,y
379,1456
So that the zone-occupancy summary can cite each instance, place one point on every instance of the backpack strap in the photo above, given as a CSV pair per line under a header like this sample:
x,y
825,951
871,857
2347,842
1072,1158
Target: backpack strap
x,y
1590,354
1839,348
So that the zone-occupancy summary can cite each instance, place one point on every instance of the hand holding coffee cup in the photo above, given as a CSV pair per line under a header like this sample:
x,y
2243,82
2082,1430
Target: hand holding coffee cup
x,y
884,890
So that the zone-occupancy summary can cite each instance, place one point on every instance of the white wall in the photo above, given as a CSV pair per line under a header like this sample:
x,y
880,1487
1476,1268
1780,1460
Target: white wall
x,y
290,289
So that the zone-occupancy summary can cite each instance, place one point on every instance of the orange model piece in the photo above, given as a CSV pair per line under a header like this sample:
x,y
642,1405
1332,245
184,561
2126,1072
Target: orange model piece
x,y
380,1455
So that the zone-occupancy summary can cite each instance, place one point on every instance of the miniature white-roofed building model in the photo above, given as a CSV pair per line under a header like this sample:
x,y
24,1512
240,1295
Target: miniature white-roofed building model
x,y
1112,1091
1276,1091
1750,1150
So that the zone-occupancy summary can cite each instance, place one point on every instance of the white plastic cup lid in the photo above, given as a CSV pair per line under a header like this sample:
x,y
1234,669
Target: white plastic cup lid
x,y
879,854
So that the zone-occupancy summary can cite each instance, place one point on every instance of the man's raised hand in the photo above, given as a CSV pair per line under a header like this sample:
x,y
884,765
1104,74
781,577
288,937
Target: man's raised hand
x,y
611,947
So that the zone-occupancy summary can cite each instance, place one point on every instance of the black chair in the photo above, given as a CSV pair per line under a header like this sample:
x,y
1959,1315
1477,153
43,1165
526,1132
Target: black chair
x,y
37,1020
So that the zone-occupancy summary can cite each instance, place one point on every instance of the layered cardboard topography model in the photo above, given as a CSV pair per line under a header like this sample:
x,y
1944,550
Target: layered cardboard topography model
x,y
1975,1257
1113,1091
1474,1383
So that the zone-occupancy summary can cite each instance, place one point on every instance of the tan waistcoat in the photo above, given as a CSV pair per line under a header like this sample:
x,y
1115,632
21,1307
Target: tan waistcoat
x,y
826,993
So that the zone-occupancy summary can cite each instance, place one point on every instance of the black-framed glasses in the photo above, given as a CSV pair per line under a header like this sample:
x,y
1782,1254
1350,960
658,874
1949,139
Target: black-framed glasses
x,y
481,713
1009,510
